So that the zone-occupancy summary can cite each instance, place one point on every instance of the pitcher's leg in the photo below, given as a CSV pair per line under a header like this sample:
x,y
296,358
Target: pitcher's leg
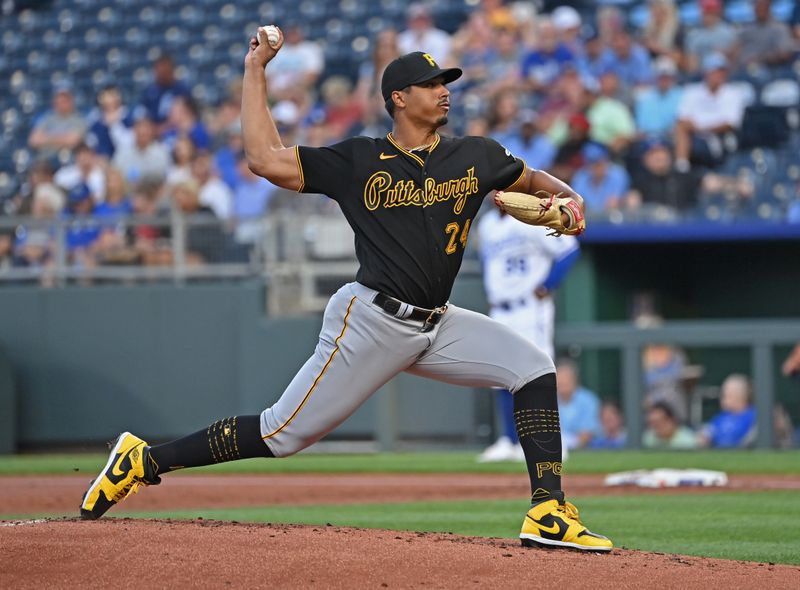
x,y
359,350
473,350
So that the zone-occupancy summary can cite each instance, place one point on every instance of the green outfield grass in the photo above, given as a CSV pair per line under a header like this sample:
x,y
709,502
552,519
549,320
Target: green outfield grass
x,y
455,462
759,526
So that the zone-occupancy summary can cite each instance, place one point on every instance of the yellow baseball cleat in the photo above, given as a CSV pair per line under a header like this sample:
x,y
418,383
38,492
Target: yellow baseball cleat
x,y
556,523
123,474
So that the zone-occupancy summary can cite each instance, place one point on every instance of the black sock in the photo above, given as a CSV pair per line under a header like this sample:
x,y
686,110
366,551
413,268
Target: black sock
x,y
229,439
539,430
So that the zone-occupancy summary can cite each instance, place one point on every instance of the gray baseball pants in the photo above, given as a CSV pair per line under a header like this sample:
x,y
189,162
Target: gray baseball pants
x,y
361,347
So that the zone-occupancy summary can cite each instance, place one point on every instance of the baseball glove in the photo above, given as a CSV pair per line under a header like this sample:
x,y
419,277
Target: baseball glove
x,y
543,208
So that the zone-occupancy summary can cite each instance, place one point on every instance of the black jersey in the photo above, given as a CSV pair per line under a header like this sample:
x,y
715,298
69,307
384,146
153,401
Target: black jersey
x,y
411,211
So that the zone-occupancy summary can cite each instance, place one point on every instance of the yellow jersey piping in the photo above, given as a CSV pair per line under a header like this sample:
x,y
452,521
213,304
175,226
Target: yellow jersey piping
x,y
419,160
299,169
316,381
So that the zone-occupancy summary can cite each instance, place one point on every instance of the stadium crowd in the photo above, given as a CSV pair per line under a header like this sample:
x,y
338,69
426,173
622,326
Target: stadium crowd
x,y
647,122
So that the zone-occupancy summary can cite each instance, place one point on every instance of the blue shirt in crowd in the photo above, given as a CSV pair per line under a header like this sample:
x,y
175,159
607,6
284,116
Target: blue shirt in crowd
x,y
546,67
633,70
656,112
538,153
729,430
614,184
580,414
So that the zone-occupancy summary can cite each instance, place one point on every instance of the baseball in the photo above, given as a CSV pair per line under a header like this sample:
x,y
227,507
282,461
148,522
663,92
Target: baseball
x,y
272,33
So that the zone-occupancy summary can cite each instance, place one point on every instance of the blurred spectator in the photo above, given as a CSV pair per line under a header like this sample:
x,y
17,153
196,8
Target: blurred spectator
x,y
657,181
147,156
33,244
213,192
149,241
205,241
714,35
497,14
569,157
250,201
117,201
421,34
85,170
40,173
109,123
612,435
341,106
578,407
610,21
662,33
783,428
568,22
297,66
708,113
183,154
656,108
62,127
157,96
83,229
735,425
526,141
111,247
502,62
664,431
629,60
602,183
611,120
184,120
471,50
791,366
663,367
229,112
543,64
384,50
225,159
765,41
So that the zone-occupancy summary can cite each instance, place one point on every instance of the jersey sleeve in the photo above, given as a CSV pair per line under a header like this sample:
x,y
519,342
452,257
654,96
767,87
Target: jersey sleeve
x,y
507,168
325,170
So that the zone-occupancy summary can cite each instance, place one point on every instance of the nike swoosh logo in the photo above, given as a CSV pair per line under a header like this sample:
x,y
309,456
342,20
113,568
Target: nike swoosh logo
x,y
115,470
387,156
547,529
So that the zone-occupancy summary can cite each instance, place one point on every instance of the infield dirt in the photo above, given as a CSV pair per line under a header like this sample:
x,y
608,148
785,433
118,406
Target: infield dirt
x,y
211,554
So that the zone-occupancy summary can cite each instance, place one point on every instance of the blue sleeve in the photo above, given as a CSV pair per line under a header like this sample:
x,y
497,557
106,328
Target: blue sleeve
x,y
560,268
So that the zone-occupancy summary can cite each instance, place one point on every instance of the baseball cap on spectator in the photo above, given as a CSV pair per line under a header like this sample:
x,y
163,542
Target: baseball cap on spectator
x,y
414,68
714,61
80,192
665,66
654,142
711,5
63,87
565,18
579,121
594,152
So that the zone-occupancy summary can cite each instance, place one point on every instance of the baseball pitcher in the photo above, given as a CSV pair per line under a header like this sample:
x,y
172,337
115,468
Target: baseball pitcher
x,y
410,198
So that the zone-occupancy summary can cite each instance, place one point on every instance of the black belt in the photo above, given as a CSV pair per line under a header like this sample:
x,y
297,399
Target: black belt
x,y
405,311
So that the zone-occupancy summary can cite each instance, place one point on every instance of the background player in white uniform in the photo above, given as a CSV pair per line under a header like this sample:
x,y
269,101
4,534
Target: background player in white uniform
x,y
522,266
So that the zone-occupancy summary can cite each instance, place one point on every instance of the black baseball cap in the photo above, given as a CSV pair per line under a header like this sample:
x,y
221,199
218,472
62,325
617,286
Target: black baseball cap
x,y
414,68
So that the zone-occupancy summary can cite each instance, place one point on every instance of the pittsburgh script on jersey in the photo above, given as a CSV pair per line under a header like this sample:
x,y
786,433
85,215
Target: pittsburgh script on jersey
x,y
380,190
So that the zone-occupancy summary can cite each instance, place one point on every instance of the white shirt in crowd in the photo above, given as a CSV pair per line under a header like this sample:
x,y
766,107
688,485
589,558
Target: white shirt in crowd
x,y
136,163
216,195
293,63
706,109
68,178
435,41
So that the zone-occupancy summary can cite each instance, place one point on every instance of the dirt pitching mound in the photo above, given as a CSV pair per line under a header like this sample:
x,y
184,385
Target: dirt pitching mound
x,y
171,554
